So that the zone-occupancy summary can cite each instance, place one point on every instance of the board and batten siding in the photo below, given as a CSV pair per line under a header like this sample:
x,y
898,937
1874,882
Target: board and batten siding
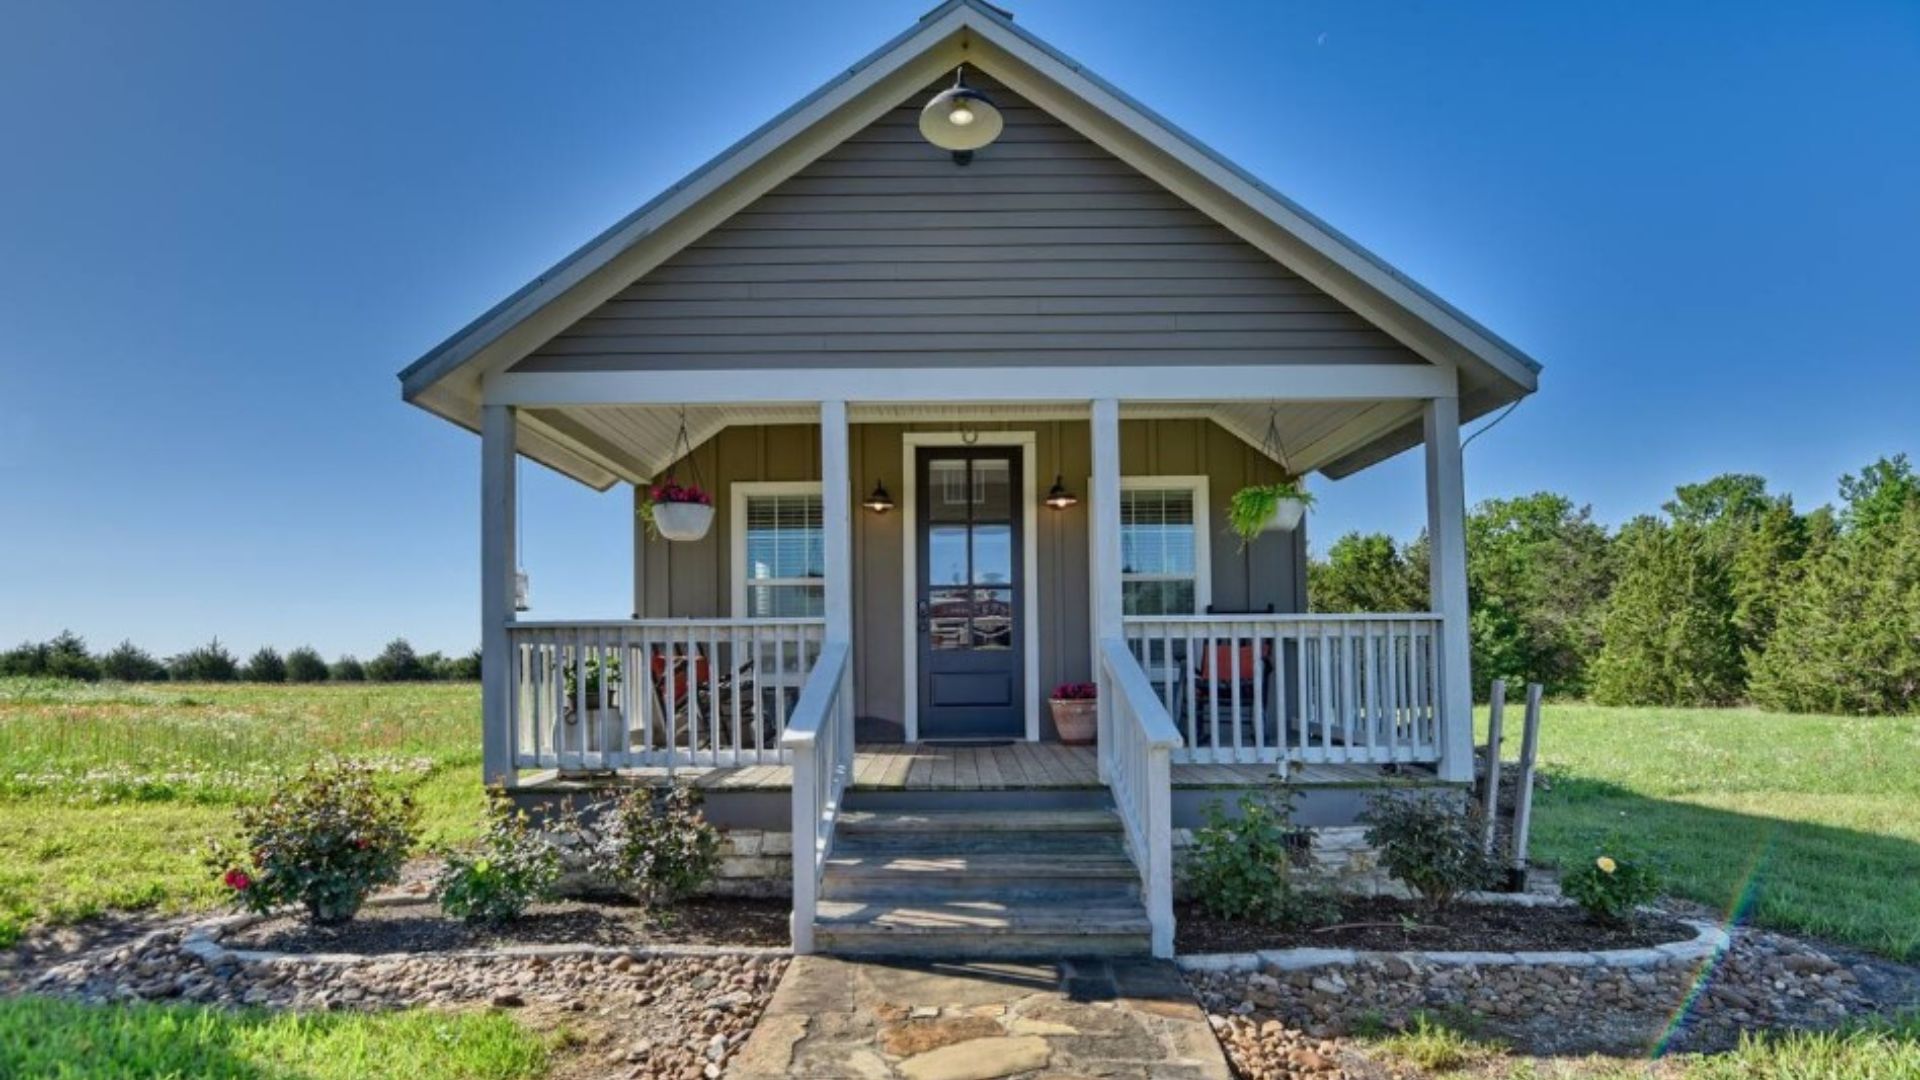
x,y
692,579
1045,250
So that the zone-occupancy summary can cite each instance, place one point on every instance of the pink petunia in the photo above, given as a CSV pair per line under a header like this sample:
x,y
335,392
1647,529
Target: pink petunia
x,y
237,880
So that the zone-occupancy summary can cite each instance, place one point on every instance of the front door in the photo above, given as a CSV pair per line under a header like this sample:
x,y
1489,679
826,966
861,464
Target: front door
x,y
969,595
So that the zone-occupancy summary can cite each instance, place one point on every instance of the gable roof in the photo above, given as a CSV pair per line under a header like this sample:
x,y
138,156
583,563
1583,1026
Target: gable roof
x,y
447,379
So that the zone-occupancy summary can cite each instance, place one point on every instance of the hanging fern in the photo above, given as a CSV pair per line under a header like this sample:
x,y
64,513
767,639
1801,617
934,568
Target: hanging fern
x,y
1252,507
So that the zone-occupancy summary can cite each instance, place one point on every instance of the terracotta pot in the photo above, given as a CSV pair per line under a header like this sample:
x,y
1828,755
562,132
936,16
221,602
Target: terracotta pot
x,y
1077,719
682,520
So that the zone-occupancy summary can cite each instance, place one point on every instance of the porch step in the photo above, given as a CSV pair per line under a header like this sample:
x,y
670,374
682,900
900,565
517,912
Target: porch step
x,y
980,928
970,882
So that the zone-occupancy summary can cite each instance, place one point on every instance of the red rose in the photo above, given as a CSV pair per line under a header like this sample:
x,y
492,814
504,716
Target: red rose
x,y
361,843
237,880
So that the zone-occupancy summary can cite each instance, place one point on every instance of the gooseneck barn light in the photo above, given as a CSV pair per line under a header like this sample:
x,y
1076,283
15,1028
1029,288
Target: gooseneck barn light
x,y
960,119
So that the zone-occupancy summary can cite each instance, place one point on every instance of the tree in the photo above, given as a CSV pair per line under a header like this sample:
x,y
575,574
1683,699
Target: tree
x,y
265,666
1667,635
397,663
64,657
1879,496
1366,572
305,666
130,663
348,669
458,668
208,663
1538,572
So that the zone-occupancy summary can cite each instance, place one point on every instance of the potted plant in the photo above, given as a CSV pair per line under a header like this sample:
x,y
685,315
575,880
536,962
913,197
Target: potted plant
x,y
1256,508
1075,712
677,511
602,712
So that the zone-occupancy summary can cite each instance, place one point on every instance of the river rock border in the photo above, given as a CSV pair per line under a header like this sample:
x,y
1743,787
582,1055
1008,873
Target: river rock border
x,y
1707,941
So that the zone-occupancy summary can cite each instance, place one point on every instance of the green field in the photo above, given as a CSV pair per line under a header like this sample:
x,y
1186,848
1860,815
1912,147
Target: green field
x,y
1811,822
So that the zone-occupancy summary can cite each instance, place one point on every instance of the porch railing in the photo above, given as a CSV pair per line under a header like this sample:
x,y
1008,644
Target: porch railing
x,y
820,741
1138,749
656,692
1304,688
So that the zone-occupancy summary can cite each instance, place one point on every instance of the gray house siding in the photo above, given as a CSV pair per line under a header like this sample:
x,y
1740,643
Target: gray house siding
x,y
1046,249
695,579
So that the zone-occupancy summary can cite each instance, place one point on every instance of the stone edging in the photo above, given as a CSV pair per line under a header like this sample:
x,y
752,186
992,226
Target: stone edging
x,y
1709,940
202,941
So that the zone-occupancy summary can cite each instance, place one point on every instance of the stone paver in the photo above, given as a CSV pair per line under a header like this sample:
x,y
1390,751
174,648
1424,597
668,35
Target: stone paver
x,y
988,1020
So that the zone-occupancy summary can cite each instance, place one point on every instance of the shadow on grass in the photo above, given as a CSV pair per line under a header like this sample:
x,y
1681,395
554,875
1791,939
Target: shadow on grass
x,y
1843,885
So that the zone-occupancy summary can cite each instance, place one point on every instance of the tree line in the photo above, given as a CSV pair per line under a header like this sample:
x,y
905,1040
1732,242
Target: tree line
x,y
66,656
1728,595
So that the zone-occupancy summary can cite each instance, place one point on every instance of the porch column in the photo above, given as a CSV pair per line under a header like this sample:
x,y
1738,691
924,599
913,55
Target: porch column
x,y
497,511
836,522
1447,583
1105,577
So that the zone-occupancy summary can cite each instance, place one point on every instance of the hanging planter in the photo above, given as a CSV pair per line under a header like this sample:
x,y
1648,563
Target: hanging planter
x,y
1259,508
677,511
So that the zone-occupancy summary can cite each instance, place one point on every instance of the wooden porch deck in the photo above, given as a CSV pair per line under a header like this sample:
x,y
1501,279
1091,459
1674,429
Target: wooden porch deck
x,y
1018,766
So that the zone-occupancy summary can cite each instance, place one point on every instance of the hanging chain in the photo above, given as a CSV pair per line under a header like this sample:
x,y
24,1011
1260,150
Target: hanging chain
x,y
683,451
1271,444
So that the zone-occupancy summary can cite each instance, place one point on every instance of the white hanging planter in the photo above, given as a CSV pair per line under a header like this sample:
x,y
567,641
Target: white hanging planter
x,y
682,520
1286,515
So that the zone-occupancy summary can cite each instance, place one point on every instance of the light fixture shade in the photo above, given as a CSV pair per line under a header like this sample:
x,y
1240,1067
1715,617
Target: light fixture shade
x,y
960,118
1059,497
879,502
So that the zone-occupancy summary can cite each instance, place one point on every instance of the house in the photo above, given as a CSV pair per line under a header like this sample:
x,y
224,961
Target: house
x,y
970,417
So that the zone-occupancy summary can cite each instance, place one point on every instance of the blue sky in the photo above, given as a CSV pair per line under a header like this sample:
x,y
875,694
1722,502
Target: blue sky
x,y
224,226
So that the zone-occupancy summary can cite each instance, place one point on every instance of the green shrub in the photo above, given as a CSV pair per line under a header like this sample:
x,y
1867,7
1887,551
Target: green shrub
x,y
130,663
208,663
349,669
323,840
305,666
657,847
398,663
265,666
459,668
1610,886
514,867
1431,842
1240,868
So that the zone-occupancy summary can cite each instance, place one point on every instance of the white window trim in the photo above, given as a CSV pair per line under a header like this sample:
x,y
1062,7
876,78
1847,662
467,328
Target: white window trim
x,y
1202,533
742,490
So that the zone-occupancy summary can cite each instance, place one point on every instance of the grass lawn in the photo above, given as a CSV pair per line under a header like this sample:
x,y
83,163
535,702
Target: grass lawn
x,y
66,1041
108,793
1812,822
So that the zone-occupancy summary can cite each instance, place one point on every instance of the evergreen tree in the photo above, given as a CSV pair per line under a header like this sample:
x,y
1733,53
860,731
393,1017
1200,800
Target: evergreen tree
x,y
1538,571
398,663
1366,572
130,663
1668,638
348,669
305,666
208,663
265,666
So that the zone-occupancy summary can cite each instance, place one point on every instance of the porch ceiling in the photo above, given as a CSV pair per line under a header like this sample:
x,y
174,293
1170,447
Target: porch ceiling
x,y
638,442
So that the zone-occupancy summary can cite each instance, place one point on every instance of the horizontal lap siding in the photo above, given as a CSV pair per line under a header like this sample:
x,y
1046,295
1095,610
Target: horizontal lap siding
x,y
1046,249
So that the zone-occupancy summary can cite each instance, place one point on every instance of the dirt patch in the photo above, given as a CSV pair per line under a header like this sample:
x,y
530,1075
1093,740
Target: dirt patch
x,y
421,928
1384,924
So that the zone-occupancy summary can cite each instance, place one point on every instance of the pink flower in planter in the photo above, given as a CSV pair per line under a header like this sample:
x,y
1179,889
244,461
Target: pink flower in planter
x,y
671,492
1075,691
237,880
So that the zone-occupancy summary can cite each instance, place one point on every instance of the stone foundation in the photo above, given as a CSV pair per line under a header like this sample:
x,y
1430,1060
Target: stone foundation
x,y
754,863
1338,858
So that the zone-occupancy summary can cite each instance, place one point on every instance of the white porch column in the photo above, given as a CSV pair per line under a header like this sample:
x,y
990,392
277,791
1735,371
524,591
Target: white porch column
x,y
1105,577
497,511
1447,583
836,514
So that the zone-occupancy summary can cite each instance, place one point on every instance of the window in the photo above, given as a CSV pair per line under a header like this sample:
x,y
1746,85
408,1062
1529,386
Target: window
x,y
779,566
1164,564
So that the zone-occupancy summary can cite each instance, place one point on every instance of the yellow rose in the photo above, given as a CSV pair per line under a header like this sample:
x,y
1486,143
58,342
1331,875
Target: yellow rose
x,y
1606,864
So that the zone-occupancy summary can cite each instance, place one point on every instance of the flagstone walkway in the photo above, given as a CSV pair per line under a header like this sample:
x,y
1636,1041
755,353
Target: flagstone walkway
x,y
916,1020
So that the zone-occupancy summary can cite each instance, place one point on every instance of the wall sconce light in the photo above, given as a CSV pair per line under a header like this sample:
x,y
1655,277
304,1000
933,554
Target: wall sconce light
x,y
1059,497
879,502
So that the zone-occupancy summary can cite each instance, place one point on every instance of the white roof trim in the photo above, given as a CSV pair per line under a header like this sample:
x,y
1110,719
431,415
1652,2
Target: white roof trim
x,y
447,380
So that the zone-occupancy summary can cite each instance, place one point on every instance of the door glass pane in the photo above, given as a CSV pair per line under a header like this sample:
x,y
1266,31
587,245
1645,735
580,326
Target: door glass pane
x,y
947,555
993,618
993,490
947,615
947,490
993,554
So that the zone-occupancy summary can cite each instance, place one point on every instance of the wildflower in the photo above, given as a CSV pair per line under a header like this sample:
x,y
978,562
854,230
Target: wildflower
x,y
237,880
1606,864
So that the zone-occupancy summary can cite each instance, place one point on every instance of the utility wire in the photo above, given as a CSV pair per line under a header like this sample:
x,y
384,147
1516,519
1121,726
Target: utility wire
x,y
1489,426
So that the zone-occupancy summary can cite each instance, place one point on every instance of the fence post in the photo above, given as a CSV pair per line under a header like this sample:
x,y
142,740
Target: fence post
x,y
1490,792
1523,798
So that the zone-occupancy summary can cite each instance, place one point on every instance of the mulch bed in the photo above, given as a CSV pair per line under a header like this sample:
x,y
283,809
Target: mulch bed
x,y
421,928
1387,925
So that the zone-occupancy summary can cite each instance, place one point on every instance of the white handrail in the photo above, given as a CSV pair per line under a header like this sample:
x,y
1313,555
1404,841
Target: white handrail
x,y
1308,688
819,740
1139,748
